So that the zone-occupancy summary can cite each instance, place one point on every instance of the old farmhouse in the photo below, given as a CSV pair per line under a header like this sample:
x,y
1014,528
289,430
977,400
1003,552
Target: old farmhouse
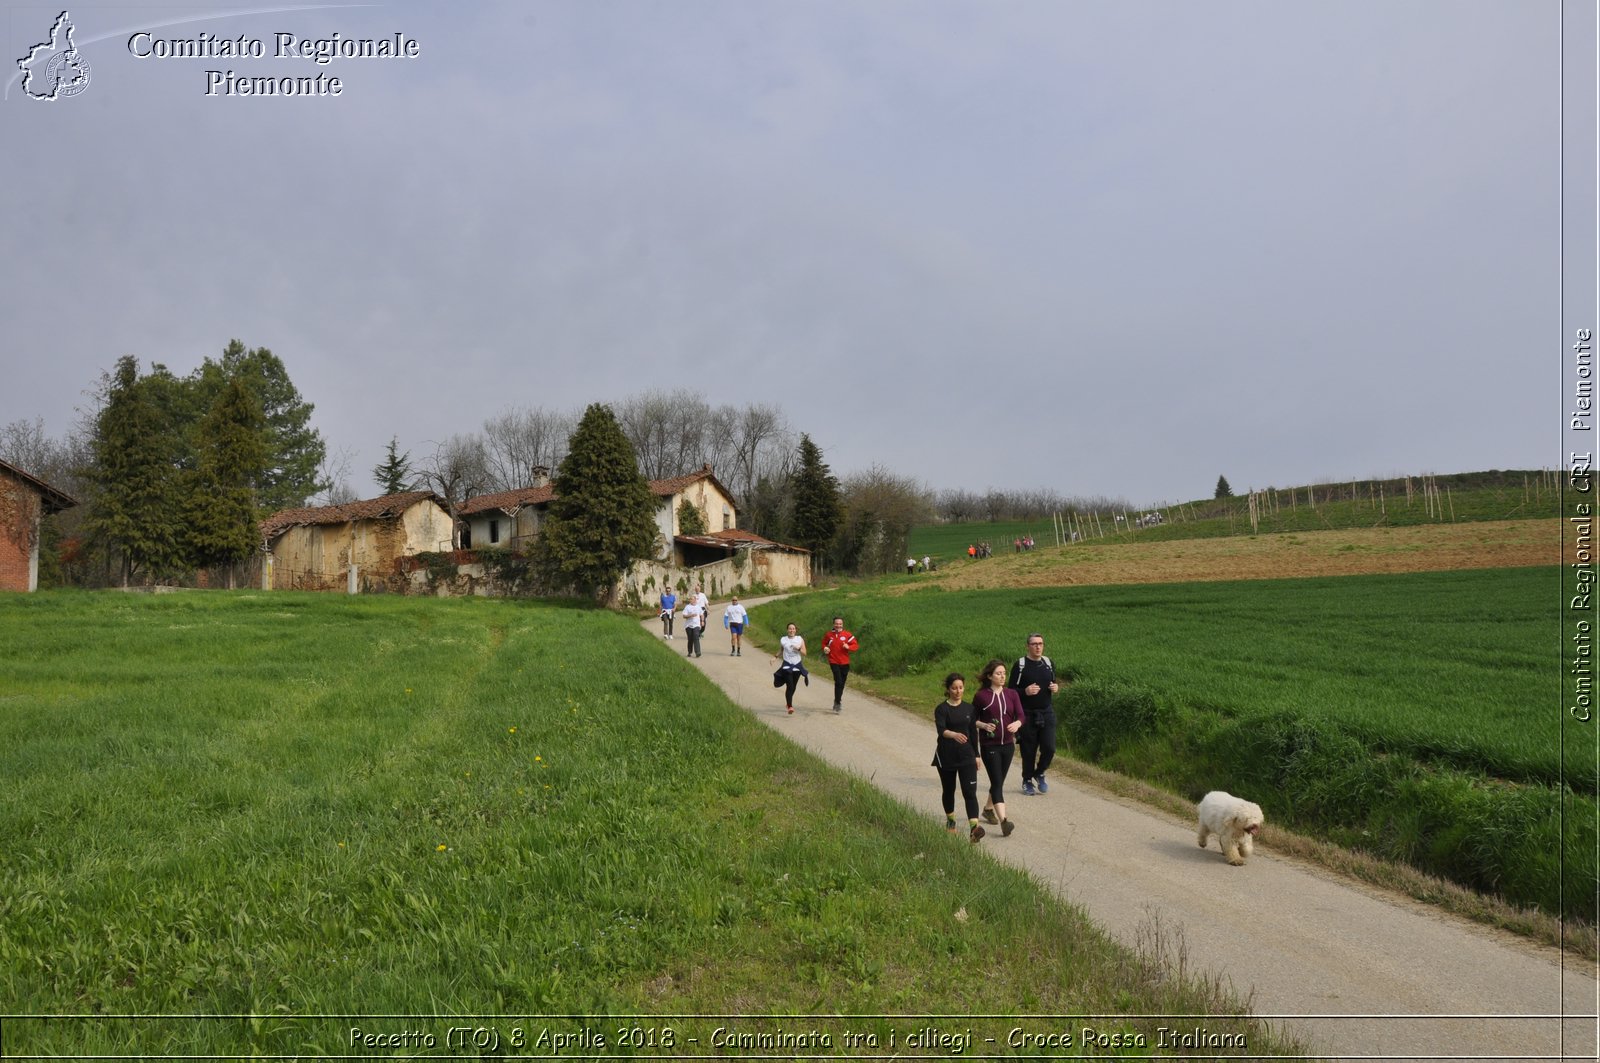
x,y
362,545
722,557
329,547
24,501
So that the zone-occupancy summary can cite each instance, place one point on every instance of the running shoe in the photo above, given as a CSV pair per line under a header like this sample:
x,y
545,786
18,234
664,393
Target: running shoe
x,y
1040,783
1006,827
989,816
977,833
790,709
1027,788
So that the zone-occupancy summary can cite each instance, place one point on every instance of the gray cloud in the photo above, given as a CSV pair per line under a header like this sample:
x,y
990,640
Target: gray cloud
x,y
1109,249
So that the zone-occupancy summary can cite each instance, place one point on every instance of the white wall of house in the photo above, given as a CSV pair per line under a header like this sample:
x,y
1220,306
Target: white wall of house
x,y
499,530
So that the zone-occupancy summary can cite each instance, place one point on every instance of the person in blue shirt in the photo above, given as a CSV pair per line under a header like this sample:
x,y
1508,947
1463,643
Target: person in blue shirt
x,y
669,603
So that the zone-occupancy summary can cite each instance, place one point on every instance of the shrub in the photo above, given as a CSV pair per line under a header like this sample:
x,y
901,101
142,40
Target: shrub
x,y
896,651
1107,713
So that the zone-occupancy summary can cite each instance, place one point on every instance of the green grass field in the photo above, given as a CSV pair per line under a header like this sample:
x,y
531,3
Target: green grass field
x,y
1399,714
269,807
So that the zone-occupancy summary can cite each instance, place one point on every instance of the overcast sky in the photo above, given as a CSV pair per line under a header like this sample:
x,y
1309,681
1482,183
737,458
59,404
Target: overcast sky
x,y
1107,248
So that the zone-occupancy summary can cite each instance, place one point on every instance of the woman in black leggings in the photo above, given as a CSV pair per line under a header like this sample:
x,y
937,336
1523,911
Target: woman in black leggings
x,y
999,712
956,754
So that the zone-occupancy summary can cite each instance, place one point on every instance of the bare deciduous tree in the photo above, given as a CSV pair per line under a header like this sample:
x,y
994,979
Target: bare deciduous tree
x,y
58,462
515,442
333,472
457,470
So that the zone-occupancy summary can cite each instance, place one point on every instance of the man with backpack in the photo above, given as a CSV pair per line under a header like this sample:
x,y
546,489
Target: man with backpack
x,y
1033,677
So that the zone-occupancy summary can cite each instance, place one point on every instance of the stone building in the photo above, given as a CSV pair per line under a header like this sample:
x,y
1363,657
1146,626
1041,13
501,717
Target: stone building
x,y
315,548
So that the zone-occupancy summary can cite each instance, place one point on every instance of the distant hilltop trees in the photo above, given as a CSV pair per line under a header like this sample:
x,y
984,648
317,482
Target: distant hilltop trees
x,y
962,507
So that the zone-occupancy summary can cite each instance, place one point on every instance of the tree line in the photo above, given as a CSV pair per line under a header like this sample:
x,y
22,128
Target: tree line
x,y
174,473
963,507
784,488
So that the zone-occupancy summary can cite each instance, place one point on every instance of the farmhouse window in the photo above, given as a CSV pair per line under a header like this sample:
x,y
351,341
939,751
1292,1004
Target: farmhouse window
x,y
494,531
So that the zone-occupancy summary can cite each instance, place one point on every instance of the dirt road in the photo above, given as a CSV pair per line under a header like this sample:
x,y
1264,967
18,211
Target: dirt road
x,y
1356,972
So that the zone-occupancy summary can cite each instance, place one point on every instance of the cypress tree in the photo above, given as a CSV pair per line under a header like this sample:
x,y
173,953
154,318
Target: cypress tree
x,y
817,511
295,450
231,456
133,481
603,516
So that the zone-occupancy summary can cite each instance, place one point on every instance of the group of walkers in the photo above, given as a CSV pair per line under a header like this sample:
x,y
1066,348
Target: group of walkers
x,y
1012,708
837,645
696,610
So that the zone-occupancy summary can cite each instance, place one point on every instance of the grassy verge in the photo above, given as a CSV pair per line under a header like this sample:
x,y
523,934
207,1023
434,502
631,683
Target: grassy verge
x,y
268,807
1415,718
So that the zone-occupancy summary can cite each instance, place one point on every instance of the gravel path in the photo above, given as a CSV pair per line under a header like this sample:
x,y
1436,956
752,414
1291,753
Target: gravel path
x,y
1355,972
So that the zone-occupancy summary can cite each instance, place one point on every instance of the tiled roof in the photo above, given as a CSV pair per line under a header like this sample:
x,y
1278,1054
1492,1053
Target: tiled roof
x,y
508,500
54,500
539,496
367,509
738,537
668,488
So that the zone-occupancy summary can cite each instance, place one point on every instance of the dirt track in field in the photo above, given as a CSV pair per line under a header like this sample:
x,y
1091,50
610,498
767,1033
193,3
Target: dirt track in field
x,y
1422,548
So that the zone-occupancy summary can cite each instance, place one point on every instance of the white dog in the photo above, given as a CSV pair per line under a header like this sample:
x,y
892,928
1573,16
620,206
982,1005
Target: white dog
x,y
1233,820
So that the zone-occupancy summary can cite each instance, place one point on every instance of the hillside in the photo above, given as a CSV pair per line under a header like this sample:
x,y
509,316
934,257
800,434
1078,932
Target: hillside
x,y
1437,501
1343,552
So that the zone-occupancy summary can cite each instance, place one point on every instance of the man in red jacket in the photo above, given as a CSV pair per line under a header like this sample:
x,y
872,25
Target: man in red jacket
x,y
838,645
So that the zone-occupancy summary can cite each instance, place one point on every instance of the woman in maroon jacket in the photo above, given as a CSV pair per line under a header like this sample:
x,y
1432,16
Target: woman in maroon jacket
x,y
1000,716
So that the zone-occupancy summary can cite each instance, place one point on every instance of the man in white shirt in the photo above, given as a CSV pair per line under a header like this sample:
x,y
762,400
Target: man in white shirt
x,y
736,619
694,618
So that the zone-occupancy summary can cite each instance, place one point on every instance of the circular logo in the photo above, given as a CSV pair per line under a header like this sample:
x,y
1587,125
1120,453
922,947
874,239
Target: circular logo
x,y
67,73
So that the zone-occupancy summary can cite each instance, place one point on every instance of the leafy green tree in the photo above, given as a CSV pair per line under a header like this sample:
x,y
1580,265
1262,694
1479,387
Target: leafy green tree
x,y
765,508
393,473
690,520
220,501
295,450
1223,490
133,484
603,515
816,513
